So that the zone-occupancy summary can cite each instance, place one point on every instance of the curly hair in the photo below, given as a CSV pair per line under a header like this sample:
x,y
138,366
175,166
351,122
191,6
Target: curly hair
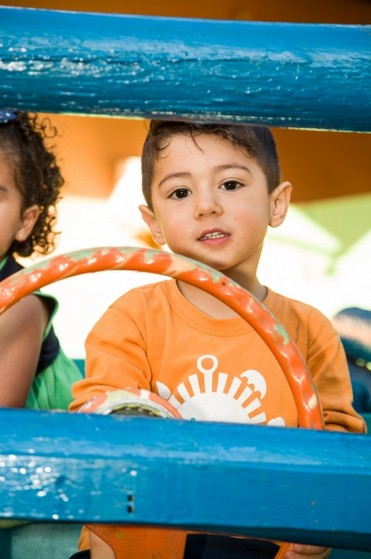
x,y
38,177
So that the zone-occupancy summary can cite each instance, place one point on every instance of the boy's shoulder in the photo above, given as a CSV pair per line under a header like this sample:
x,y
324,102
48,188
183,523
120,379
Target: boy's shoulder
x,y
305,324
288,309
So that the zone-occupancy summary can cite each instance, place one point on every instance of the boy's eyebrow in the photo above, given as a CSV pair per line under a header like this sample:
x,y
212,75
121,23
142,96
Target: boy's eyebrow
x,y
224,167
227,166
181,174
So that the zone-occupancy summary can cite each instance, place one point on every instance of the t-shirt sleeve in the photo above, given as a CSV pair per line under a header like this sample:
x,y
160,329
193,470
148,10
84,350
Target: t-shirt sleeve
x,y
115,354
327,362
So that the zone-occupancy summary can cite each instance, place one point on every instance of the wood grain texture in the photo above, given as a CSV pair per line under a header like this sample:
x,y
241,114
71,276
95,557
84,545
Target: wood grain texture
x,y
308,76
295,484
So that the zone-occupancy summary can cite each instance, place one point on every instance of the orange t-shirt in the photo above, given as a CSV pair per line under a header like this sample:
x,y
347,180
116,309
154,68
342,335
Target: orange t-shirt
x,y
209,369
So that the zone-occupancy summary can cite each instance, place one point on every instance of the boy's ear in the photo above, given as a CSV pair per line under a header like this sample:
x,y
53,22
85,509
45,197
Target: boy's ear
x,y
29,218
280,200
150,219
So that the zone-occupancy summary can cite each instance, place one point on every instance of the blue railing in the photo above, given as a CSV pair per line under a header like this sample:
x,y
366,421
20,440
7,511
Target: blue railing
x,y
280,74
294,484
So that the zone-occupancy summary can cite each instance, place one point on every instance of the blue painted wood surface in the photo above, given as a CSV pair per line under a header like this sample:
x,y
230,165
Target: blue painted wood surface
x,y
294,484
285,75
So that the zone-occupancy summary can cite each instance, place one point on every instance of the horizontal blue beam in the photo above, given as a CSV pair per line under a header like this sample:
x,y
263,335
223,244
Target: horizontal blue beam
x,y
311,76
290,484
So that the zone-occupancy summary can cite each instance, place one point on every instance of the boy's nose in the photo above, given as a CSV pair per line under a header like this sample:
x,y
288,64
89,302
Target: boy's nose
x,y
207,206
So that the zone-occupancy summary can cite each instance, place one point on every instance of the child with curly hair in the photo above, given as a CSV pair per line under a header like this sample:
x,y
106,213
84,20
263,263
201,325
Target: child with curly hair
x,y
34,370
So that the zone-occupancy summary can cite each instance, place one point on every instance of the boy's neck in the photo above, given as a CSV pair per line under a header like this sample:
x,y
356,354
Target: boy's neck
x,y
211,306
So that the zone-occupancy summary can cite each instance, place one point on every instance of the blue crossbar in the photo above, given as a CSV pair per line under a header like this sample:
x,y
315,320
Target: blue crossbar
x,y
314,76
290,484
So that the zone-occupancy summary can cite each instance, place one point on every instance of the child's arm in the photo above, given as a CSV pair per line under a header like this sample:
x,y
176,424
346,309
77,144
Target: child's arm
x,y
327,362
116,355
21,333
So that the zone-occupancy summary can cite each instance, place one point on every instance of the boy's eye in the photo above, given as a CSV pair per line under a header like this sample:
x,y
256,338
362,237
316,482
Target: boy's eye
x,y
180,193
230,185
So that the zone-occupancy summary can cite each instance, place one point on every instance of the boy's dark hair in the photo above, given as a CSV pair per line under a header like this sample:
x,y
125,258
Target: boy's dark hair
x,y
37,177
256,141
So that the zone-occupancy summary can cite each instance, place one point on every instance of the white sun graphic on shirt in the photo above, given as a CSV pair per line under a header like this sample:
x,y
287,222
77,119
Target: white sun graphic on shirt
x,y
206,395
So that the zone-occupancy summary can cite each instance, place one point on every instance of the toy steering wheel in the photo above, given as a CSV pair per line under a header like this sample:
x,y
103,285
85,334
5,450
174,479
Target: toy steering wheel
x,y
190,271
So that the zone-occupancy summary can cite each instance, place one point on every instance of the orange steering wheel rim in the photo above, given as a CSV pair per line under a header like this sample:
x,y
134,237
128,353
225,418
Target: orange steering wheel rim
x,y
34,277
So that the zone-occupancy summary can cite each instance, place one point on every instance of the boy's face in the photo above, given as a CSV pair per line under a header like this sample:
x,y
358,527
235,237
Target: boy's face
x,y
211,203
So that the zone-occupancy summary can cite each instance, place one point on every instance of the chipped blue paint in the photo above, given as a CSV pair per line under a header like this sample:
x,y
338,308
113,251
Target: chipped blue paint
x,y
81,468
279,74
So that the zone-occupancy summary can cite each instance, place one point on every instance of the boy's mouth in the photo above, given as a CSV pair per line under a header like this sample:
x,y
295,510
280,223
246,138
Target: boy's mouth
x,y
213,235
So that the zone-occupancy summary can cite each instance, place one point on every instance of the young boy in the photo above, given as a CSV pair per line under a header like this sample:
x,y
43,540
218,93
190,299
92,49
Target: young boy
x,y
212,191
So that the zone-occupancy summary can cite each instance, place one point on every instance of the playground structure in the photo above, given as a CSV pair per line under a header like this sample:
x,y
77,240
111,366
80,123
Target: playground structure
x,y
69,468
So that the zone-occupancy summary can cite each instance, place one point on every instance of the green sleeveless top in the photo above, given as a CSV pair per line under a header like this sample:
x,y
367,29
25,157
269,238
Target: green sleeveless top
x,y
51,388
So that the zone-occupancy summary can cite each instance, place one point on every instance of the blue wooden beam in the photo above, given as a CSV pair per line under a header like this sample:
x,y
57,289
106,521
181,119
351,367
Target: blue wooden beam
x,y
290,484
308,76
